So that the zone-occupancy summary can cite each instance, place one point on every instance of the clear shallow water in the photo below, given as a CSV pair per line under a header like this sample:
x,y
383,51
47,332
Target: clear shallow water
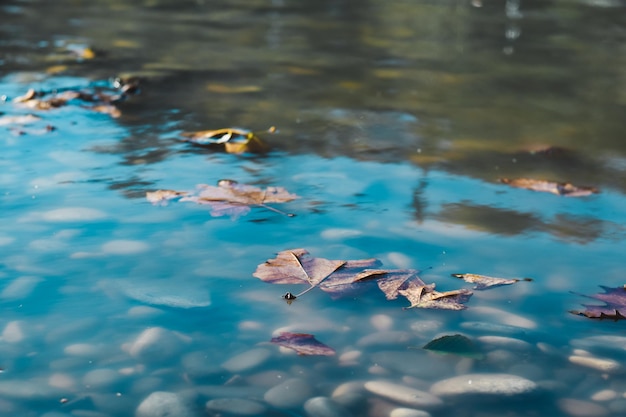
x,y
397,159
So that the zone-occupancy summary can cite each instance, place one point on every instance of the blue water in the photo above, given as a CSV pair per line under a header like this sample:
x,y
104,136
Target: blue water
x,y
407,174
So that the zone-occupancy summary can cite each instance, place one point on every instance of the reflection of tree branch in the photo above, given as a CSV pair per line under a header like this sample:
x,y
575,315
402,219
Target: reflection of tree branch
x,y
419,199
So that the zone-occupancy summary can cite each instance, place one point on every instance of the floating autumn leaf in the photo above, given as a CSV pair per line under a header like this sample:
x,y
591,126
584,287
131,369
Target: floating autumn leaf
x,y
454,344
234,140
227,198
101,100
484,282
339,277
558,188
422,295
614,308
303,343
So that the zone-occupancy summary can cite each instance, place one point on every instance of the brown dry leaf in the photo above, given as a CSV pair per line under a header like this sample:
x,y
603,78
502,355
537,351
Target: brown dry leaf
x,y
303,343
558,188
234,140
614,308
422,295
484,282
228,197
340,277
162,197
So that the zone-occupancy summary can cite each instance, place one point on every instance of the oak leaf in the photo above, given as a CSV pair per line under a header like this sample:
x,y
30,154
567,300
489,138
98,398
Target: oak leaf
x,y
484,282
558,188
227,198
303,343
614,308
339,277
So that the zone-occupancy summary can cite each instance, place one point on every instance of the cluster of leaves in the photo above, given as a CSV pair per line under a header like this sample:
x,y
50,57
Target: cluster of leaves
x,y
558,188
339,277
614,307
101,100
233,140
228,198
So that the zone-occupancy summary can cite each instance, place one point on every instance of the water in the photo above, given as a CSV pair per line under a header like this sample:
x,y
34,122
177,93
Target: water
x,y
395,122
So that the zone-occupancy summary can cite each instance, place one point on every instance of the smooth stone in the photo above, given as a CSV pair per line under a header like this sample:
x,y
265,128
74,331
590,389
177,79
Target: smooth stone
x,y
247,360
351,395
484,384
164,404
229,391
101,378
425,326
155,344
169,294
402,394
504,342
72,214
13,332
482,326
20,287
267,379
124,247
502,317
579,408
61,381
603,342
408,412
350,357
324,407
236,406
28,389
143,312
603,365
618,406
289,394
604,395
501,358
83,350
381,322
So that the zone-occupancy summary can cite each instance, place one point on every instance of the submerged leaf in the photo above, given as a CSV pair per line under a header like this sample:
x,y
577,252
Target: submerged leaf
x,y
484,282
454,344
558,188
614,308
303,343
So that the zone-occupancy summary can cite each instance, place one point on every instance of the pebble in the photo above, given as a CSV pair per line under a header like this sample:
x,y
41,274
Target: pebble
x,y
164,404
408,412
13,332
28,389
604,395
155,344
229,391
579,408
236,406
482,326
385,338
124,247
492,384
403,394
425,326
351,395
73,214
381,322
528,371
83,350
502,317
603,365
20,287
289,394
602,342
62,381
509,343
350,357
101,378
246,361
324,407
